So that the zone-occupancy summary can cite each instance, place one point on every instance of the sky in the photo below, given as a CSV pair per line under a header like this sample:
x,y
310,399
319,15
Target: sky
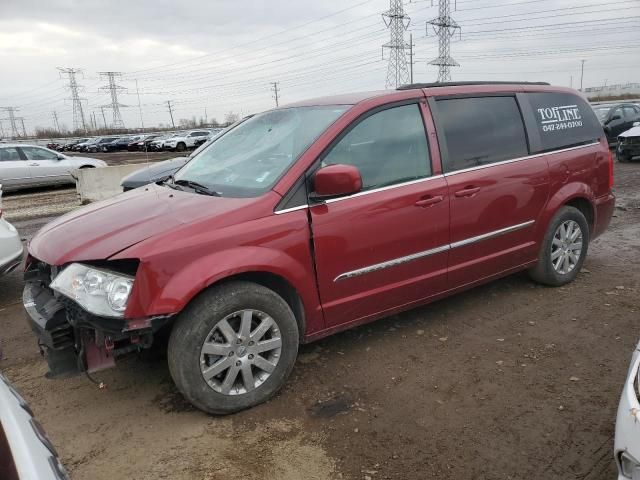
x,y
211,57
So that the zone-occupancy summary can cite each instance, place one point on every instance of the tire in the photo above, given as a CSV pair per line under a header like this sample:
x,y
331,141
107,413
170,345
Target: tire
x,y
623,159
198,327
546,272
181,147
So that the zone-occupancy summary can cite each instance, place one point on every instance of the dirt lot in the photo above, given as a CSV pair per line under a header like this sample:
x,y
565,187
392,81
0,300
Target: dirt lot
x,y
507,381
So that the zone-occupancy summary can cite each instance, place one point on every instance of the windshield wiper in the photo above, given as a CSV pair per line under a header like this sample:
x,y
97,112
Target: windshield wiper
x,y
197,187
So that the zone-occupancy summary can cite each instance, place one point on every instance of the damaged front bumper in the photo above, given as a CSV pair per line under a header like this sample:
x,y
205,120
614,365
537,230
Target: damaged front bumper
x,y
73,340
627,440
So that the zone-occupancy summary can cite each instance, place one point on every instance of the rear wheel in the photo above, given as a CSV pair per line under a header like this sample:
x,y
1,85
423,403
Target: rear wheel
x,y
563,249
181,147
233,347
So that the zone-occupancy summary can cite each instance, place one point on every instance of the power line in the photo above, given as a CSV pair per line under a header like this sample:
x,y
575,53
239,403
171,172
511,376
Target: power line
x,y
397,22
113,89
445,27
78,114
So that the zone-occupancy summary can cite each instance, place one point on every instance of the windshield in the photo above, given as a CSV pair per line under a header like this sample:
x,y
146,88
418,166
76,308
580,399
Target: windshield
x,y
602,113
247,160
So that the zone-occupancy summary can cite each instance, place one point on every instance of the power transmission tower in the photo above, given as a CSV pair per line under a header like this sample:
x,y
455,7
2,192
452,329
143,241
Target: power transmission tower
x,y
1,131
79,121
104,119
12,119
445,27
55,121
113,90
274,87
24,130
171,113
397,22
139,105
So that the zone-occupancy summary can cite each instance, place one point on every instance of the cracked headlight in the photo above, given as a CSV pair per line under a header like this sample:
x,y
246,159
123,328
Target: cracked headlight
x,y
98,291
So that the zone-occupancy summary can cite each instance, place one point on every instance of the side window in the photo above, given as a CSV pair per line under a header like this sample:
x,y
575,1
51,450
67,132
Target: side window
x,y
9,154
617,113
480,131
629,113
34,153
563,120
388,147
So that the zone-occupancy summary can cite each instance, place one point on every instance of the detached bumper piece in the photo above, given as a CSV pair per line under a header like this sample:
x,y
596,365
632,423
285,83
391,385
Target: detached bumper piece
x,y
72,340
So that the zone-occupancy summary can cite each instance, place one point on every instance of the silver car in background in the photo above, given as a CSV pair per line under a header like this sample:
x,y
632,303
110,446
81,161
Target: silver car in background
x,y
25,166
25,451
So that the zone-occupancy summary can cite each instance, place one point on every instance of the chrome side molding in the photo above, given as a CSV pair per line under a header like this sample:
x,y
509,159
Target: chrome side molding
x,y
432,251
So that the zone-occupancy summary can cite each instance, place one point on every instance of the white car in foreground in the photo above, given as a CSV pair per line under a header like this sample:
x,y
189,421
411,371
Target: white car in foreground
x,y
627,442
24,166
10,244
25,451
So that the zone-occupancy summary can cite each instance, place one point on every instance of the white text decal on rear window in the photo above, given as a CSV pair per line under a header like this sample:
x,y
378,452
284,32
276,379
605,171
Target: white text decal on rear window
x,y
560,118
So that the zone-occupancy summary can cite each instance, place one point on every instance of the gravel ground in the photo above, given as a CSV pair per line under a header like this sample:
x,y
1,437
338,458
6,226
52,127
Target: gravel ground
x,y
507,381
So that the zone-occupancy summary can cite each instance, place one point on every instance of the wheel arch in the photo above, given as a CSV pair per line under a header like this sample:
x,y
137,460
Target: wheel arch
x,y
287,276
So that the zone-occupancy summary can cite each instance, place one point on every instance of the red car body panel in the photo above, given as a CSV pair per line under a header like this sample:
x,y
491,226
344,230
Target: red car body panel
x,y
186,242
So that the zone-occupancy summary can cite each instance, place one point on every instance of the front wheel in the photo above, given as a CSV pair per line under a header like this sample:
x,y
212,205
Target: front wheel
x,y
563,249
233,347
181,147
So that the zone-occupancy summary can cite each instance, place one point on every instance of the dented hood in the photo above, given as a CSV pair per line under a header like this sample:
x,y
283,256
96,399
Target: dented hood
x,y
102,229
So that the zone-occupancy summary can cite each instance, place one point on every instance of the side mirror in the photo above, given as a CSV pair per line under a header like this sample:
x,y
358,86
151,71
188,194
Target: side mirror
x,y
636,124
615,117
61,157
336,180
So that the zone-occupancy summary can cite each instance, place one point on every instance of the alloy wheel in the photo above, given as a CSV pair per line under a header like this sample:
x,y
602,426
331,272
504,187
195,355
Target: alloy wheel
x,y
241,352
566,247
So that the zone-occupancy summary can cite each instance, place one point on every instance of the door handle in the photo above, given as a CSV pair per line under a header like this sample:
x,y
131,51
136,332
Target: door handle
x,y
34,164
428,202
467,191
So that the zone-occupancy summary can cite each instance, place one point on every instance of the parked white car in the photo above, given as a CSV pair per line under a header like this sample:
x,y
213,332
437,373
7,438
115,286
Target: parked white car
x,y
24,166
10,245
26,453
627,441
186,140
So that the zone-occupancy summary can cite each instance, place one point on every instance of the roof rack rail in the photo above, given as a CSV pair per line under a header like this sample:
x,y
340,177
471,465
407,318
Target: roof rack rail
x,y
458,84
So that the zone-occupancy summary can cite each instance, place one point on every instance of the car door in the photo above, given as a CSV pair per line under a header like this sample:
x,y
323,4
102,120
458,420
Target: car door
x,y
14,170
45,166
496,192
615,124
386,246
630,116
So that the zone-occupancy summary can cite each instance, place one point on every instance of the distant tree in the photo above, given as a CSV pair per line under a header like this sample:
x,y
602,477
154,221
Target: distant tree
x,y
231,117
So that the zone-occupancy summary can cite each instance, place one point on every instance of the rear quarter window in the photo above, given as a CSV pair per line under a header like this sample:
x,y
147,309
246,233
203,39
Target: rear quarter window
x,y
561,120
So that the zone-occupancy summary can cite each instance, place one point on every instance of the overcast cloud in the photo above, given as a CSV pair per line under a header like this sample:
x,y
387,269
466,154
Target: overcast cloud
x,y
222,55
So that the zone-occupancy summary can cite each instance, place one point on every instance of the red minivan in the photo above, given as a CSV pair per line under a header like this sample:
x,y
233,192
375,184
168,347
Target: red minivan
x,y
315,217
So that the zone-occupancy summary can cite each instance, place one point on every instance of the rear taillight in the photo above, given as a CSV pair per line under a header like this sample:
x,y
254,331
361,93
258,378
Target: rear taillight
x,y
610,170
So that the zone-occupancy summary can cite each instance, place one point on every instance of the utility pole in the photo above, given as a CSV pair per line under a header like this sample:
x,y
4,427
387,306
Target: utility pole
x,y
397,22
55,121
206,119
104,119
571,81
113,88
24,131
581,74
275,92
445,27
11,118
171,113
139,105
1,131
78,114
411,57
